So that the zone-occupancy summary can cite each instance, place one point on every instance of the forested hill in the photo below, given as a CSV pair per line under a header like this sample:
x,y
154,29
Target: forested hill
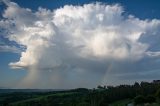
x,y
138,93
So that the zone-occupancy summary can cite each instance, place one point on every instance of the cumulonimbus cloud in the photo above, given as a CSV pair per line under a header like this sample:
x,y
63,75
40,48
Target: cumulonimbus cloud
x,y
77,44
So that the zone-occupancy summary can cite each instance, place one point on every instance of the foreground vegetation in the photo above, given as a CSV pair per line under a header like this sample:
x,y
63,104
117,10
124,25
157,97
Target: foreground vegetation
x,y
137,94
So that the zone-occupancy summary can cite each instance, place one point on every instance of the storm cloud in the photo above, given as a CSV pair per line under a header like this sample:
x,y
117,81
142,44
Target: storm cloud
x,y
82,46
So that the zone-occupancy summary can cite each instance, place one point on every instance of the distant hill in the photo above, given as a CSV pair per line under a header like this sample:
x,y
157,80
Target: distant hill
x,y
4,90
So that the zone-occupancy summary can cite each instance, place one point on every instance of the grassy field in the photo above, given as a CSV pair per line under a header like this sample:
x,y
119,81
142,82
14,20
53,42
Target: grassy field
x,y
43,98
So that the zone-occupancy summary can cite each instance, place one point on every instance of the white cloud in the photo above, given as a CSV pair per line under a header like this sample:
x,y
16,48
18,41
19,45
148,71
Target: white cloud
x,y
6,48
153,54
87,38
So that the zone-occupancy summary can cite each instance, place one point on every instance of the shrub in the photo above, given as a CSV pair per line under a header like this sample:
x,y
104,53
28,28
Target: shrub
x,y
139,99
150,99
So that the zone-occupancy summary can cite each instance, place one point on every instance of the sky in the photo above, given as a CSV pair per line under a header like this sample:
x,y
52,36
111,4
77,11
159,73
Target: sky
x,y
64,44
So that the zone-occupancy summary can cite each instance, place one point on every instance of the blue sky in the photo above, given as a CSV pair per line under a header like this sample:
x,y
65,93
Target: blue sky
x,y
142,9
72,63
